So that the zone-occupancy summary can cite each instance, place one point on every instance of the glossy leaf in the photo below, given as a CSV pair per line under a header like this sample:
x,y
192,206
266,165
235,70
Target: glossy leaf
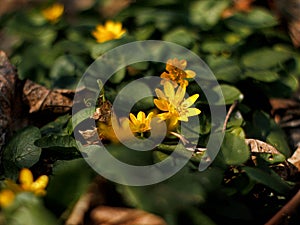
x,y
234,150
269,179
255,19
21,151
207,13
231,94
264,58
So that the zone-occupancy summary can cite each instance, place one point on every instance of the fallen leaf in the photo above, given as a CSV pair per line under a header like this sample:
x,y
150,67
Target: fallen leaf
x,y
258,146
105,215
24,103
40,98
295,158
238,6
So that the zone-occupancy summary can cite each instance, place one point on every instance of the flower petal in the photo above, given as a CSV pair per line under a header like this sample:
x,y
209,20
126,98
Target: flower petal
x,y
141,117
169,90
161,104
179,95
190,101
40,183
193,112
160,94
190,73
25,178
133,118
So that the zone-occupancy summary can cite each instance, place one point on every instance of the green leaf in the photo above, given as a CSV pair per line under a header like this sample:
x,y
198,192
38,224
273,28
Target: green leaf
x,y
69,181
255,19
271,179
72,47
28,209
277,139
231,94
236,120
144,33
215,47
198,217
118,76
234,149
21,151
61,146
207,13
272,158
65,70
56,126
224,69
285,87
264,75
80,116
264,58
180,36
97,49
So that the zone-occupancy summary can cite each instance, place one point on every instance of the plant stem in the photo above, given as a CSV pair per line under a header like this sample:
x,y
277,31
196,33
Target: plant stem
x,y
286,211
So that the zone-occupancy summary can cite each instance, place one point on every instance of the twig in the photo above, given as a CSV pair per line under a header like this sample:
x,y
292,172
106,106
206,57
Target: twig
x,y
287,210
229,114
93,197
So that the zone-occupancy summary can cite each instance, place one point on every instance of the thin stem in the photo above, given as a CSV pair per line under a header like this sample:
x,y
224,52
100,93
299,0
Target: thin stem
x,y
287,210
232,107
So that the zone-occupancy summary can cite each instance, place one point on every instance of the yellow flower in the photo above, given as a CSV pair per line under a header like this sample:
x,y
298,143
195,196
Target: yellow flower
x,y
176,73
174,105
27,183
141,123
106,131
54,12
6,197
111,30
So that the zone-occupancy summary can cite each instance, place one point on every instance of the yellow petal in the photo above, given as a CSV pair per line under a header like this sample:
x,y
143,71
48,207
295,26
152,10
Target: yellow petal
x,y
141,116
150,115
109,25
25,178
190,73
160,94
133,118
6,197
193,112
161,104
40,184
190,101
179,95
164,116
183,118
169,90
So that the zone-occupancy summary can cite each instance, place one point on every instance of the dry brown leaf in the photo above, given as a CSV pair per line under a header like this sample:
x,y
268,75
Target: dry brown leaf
x,y
238,6
8,105
94,196
104,215
289,13
258,146
113,7
20,99
295,158
40,98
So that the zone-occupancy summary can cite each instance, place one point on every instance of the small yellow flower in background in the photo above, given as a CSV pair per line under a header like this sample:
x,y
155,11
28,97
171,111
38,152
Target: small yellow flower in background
x,y
176,73
109,31
27,184
174,105
54,12
141,123
6,197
